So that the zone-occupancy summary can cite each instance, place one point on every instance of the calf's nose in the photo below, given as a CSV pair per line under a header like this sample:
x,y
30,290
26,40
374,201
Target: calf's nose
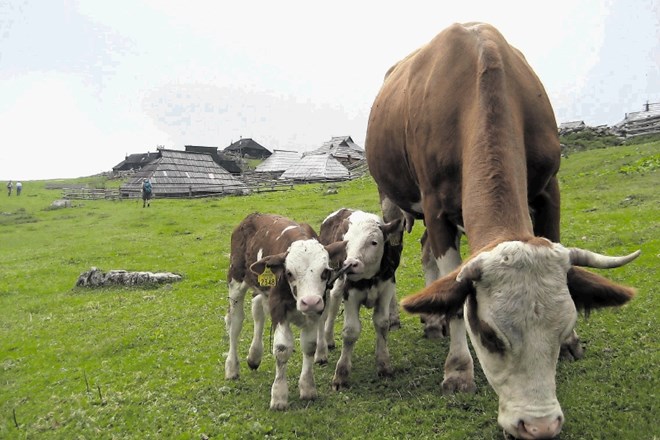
x,y
311,303
354,265
540,428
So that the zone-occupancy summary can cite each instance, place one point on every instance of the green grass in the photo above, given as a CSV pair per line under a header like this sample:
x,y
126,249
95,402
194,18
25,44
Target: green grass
x,y
149,363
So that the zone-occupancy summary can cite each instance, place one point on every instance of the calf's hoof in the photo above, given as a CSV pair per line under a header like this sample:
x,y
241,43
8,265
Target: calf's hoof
x,y
278,406
395,324
309,395
571,349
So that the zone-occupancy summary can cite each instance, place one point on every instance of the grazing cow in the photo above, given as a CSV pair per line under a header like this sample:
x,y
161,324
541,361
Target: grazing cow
x,y
372,256
462,134
284,264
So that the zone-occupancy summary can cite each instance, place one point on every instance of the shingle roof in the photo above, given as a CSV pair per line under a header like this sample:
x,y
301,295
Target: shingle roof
x,y
134,161
278,162
316,167
182,173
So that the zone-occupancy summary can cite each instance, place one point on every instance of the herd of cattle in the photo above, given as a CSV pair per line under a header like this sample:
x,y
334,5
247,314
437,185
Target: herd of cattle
x,y
462,136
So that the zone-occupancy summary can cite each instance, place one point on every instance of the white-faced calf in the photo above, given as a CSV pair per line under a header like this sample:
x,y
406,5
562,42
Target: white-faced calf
x,y
288,269
368,280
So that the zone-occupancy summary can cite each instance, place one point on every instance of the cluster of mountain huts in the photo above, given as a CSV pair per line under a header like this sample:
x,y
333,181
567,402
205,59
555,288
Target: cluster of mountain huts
x,y
201,171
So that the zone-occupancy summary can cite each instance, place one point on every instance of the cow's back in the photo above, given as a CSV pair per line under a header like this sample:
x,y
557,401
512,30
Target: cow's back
x,y
443,103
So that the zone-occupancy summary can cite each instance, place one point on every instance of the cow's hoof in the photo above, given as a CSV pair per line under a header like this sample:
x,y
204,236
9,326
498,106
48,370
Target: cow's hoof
x,y
395,324
457,385
253,365
321,361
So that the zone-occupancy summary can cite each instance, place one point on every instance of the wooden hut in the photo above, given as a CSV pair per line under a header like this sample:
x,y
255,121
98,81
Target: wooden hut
x,y
248,148
316,167
277,163
135,161
184,174
341,148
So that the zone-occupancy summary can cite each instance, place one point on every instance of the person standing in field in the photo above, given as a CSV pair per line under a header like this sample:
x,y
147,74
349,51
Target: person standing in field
x,y
19,188
147,192
9,187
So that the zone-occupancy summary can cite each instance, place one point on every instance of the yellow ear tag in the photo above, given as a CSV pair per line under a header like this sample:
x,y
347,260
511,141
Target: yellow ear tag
x,y
267,278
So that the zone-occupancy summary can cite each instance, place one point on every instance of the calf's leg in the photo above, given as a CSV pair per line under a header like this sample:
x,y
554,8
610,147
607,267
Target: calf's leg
x,y
234,323
326,329
308,334
259,312
382,326
282,350
350,335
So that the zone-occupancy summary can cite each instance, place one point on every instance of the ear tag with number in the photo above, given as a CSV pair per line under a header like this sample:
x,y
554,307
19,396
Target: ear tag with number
x,y
267,278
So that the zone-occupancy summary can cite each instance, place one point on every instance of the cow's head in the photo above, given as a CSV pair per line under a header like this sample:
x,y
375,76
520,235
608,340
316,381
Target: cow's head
x,y
305,266
366,238
520,301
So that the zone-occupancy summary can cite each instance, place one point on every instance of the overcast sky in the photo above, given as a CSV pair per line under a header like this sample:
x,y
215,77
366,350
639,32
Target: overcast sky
x,y
83,83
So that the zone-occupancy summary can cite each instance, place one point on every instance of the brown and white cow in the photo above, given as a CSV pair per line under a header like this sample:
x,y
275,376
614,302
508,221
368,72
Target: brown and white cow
x,y
372,256
288,269
462,134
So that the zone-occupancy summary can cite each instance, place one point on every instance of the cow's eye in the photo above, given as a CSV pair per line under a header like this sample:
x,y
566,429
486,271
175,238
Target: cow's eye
x,y
289,275
374,243
325,274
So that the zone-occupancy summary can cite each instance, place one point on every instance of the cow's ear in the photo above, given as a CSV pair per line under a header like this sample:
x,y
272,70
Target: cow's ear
x,y
273,262
445,295
392,231
592,291
337,251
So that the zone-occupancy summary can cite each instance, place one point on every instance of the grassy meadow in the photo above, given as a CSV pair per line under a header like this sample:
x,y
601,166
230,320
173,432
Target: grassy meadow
x,y
122,363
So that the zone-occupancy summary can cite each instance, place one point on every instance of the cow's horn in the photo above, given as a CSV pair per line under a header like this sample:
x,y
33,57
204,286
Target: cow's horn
x,y
582,257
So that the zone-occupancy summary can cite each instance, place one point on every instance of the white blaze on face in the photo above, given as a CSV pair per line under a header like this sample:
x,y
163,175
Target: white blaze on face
x,y
365,245
523,313
307,267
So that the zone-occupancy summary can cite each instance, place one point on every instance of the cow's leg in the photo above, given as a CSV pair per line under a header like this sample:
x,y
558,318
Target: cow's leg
x,y
350,334
308,335
234,323
546,209
282,350
393,212
445,243
326,330
435,326
259,312
382,327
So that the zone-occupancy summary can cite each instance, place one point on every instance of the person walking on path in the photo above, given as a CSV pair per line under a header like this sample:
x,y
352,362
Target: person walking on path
x,y
147,192
9,187
19,188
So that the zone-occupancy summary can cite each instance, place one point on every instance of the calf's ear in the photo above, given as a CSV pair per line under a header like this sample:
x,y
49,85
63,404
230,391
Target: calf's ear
x,y
337,251
444,296
273,262
592,291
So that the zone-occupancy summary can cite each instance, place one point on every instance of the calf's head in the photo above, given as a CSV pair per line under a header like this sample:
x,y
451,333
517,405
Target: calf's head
x,y
305,267
366,237
520,301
